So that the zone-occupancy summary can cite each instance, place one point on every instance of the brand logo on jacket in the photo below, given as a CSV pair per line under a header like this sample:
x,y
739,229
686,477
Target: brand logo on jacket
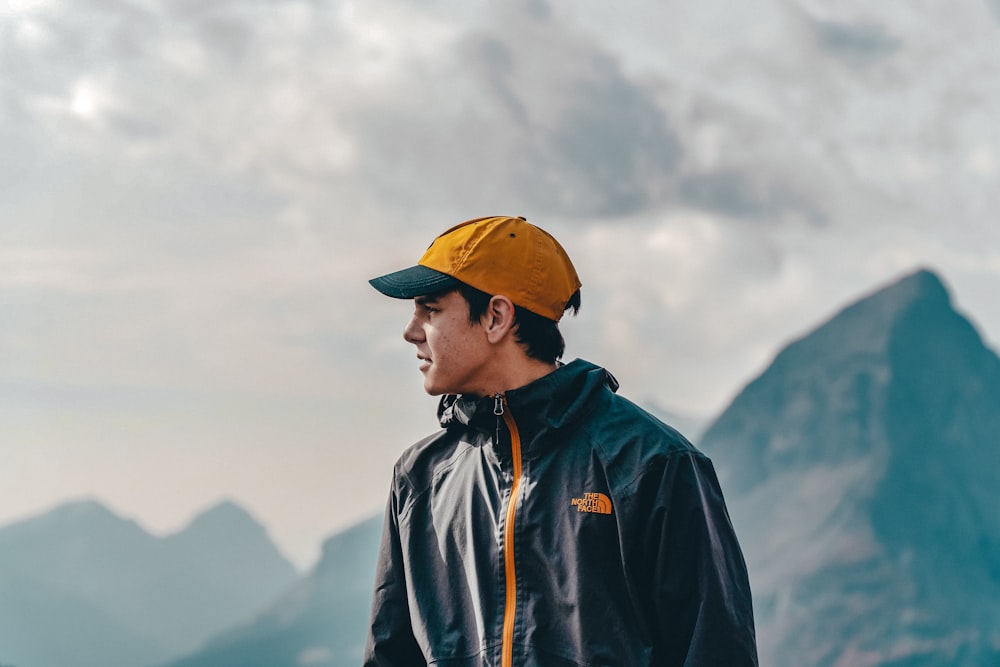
x,y
595,503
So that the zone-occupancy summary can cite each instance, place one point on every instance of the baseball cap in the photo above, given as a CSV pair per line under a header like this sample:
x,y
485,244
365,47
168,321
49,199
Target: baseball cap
x,y
496,255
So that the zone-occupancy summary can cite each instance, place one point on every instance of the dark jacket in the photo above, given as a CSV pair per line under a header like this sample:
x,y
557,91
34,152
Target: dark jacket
x,y
572,528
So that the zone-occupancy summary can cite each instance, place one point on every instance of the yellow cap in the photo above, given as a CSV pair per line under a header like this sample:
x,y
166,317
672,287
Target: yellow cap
x,y
496,255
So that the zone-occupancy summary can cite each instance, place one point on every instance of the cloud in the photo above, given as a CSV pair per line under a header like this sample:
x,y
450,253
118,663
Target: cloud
x,y
195,193
994,7
660,291
746,193
857,44
527,112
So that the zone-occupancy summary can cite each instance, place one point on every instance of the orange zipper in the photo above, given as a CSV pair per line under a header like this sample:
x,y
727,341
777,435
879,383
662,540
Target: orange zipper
x,y
507,655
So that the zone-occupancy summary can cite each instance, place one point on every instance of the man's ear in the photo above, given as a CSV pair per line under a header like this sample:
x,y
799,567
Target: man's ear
x,y
498,320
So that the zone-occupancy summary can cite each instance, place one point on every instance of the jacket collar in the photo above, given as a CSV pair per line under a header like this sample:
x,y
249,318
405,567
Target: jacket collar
x,y
551,403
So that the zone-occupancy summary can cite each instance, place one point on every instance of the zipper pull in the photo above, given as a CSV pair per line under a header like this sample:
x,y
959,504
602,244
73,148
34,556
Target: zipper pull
x,y
498,411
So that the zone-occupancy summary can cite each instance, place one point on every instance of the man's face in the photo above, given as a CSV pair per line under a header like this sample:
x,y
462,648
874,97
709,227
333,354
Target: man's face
x,y
454,353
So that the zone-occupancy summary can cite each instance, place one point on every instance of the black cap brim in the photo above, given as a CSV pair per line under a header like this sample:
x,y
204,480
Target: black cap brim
x,y
412,282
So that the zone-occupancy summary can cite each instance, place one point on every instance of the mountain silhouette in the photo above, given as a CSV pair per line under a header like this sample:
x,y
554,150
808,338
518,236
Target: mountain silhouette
x,y
321,621
80,585
861,470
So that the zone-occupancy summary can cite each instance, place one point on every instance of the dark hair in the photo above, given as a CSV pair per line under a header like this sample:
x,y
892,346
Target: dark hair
x,y
540,335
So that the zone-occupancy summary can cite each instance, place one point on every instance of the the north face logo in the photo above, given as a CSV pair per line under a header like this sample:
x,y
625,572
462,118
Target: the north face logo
x,y
597,503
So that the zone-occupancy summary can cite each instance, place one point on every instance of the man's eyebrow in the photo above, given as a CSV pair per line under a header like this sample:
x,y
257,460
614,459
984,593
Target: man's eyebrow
x,y
424,300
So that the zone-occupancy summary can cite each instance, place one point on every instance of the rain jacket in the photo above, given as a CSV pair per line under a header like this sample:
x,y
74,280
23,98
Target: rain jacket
x,y
558,525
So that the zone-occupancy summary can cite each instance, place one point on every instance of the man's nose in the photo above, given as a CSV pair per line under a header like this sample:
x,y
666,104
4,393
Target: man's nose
x,y
412,333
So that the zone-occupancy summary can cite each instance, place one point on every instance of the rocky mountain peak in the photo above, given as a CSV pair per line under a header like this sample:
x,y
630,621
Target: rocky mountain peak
x,y
865,459
824,396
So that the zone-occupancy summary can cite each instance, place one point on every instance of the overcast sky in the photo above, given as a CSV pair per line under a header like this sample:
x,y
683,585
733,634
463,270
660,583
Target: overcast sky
x,y
193,195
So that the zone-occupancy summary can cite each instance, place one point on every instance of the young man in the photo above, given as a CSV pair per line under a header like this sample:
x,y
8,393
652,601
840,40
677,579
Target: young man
x,y
551,522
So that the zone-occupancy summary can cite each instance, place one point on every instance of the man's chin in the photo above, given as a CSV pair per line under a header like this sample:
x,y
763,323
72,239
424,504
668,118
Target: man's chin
x,y
434,390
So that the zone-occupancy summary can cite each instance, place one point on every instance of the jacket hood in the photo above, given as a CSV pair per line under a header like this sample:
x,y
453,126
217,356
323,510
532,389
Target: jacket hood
x,y
550,403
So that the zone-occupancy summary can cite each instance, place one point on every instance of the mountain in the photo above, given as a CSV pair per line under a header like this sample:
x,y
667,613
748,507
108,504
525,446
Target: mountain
x,y
321,621
80,585
43,625
861,470
59,585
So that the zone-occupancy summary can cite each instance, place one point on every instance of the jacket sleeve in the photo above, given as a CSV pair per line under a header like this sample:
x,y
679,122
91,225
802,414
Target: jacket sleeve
x,y
703,615
390,636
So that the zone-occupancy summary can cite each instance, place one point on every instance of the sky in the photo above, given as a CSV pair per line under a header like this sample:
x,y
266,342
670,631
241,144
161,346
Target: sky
x,y
193,196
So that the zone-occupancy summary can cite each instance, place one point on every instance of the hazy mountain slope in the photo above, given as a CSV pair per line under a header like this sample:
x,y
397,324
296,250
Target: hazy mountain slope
x,y
224,567
321,621
62,589
140,595
862,470
42,626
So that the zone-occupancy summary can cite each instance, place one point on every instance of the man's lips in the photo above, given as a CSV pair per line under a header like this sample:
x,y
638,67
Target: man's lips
x,y
425,363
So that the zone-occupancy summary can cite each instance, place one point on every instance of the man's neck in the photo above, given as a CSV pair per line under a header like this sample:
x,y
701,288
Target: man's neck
x,y
518,374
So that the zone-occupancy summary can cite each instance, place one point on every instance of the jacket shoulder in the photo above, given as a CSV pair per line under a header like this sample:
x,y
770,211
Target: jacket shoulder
x,y
626,424
634,444
423,461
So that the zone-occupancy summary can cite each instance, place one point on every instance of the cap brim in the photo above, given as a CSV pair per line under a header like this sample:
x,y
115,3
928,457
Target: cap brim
x,y
412,282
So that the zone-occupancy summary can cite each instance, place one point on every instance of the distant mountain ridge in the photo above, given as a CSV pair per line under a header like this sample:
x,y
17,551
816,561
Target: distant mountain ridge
x,y
841,361
80,585
321,621
862,470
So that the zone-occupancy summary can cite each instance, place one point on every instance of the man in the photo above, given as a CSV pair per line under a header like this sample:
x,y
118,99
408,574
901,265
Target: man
x,y
550,522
